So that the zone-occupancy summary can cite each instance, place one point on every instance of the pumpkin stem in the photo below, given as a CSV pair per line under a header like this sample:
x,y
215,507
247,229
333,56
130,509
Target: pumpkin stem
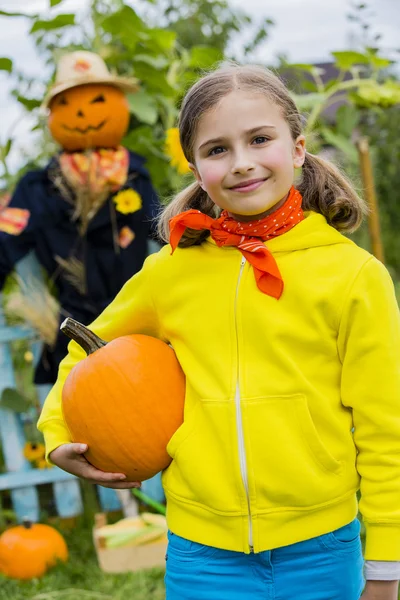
x,y
83,336
27,523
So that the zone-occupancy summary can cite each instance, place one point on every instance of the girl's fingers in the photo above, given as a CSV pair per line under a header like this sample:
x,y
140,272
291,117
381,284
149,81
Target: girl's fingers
x,y
123,485
87,470
90,472
71,450
70,457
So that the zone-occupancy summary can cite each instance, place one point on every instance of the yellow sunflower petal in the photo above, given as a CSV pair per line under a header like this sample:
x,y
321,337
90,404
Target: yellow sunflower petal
x,y
173,149
33,452
128,201
42,464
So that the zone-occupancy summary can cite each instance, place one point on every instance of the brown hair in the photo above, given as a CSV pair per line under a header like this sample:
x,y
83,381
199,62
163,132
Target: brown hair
x,y
324,188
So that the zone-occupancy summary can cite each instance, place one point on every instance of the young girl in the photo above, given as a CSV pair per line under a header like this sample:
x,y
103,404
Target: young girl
x,y
289,336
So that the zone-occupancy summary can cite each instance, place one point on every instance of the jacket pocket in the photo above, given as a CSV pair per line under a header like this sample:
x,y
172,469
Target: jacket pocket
x,y
289,465
204,469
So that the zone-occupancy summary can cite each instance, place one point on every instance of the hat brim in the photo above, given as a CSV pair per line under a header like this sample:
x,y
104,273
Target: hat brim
x,y
126,85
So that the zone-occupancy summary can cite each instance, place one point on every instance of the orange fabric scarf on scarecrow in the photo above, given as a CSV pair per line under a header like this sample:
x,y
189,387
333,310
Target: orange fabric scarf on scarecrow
x,y
247,237
96,169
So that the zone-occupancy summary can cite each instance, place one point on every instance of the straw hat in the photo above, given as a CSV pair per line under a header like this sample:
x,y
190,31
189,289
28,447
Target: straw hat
x,y
80,68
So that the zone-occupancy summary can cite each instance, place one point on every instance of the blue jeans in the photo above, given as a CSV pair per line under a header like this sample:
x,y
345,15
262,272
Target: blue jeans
x,y
328,567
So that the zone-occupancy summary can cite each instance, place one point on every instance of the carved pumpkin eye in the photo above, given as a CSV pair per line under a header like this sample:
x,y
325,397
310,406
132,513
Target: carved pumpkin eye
x,y
63,101
99,98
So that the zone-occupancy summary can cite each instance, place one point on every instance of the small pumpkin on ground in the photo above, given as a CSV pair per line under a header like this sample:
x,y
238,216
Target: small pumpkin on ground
x,y
29,550
124,400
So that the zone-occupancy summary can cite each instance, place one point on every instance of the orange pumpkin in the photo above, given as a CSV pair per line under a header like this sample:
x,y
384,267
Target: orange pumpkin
x,y
29,550
89,116
125,400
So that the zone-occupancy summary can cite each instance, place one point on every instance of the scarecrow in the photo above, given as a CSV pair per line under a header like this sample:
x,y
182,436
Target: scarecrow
x,y
89,215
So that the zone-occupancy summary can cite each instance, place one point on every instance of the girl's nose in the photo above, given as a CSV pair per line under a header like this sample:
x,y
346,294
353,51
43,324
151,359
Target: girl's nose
x,y
242,164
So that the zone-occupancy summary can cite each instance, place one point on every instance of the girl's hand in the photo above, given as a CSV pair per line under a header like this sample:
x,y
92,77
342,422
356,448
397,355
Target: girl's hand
x,y
69,457
380,590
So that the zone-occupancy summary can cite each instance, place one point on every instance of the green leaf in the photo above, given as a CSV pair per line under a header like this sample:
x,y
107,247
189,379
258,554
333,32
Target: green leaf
x,y
7,148
163,38
341,143
9,515
6,64
29,103
56,23
204,57
169,110
347,119
144,107
300,67
378,62
12,399
157,62
4,13
306,102
347,59
54,3
124,24
372,93
153,80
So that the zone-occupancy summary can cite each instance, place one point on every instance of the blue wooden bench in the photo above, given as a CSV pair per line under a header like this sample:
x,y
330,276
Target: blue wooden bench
x,y
20,478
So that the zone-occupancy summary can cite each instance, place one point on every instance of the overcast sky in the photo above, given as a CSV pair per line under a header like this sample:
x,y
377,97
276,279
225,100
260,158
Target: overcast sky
x,y
305,30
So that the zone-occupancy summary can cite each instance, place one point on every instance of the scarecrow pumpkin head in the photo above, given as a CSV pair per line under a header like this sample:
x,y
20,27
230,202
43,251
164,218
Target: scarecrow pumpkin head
x,y
87,104
89,116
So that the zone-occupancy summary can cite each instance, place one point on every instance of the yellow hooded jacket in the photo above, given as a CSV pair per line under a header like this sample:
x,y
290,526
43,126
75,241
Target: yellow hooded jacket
x,y
291,405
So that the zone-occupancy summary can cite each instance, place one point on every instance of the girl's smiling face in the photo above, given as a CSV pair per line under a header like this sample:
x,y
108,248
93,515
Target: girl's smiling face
x,y
245,156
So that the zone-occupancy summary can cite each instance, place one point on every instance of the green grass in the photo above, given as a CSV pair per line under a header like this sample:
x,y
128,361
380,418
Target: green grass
x,y
82,579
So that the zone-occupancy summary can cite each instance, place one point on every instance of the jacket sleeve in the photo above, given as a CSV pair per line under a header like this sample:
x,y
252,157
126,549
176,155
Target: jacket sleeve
x,y
369,348
14,246
132,311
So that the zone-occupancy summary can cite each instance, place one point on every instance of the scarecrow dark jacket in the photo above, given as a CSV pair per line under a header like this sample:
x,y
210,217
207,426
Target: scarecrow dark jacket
x,y
52,232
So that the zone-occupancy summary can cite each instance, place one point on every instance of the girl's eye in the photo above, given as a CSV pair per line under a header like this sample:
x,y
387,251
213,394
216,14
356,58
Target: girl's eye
x,y
216,150
260,139
63,101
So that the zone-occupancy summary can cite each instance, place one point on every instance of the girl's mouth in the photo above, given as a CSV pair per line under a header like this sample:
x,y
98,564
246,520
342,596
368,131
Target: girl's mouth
x,y
248,186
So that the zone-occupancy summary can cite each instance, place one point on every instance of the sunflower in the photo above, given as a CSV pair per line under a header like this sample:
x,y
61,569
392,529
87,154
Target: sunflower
x,y
173,149
127,201
33,451
42,464
28,356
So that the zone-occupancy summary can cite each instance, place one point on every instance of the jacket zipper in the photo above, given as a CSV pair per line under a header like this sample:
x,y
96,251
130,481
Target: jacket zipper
x,y
239,421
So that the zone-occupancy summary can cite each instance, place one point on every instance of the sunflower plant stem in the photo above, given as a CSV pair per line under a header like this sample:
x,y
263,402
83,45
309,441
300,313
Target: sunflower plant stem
x,y
339,87
149,501
89,341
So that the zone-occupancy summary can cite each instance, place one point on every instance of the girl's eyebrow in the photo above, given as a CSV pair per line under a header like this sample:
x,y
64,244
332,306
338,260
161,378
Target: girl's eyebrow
x,y
248,132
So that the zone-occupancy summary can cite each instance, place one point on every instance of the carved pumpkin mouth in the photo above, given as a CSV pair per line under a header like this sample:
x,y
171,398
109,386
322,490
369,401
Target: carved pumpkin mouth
x,y
88,128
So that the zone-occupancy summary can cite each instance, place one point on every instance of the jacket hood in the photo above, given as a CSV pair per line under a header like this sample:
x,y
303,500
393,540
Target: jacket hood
x,y
314,231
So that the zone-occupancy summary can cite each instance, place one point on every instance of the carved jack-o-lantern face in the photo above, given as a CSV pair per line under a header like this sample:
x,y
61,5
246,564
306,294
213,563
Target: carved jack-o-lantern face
x,y
89,116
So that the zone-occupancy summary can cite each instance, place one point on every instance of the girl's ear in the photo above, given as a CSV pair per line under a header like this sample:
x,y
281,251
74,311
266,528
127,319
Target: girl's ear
x,y
299,152
196,174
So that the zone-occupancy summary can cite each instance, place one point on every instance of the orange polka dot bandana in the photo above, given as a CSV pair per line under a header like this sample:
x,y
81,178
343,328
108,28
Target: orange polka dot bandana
x,y
247,237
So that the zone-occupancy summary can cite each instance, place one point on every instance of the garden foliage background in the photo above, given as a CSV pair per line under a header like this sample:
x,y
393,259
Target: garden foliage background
x,y
166,44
